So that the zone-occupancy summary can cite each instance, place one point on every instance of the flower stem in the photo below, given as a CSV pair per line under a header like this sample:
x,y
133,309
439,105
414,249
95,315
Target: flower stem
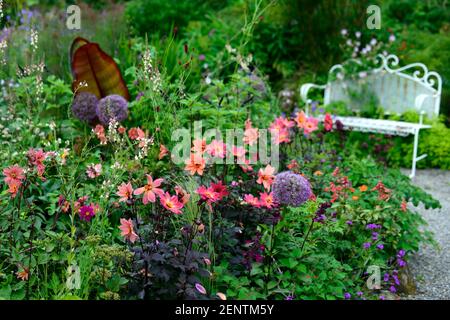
x,y
307,234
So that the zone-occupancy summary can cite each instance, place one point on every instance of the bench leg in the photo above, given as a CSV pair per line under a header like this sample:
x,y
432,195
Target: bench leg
x,y
415,158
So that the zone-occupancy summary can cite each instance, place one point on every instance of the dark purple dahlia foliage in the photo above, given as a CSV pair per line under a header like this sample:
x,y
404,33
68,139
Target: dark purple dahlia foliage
x,y
291,189
112,107
84,106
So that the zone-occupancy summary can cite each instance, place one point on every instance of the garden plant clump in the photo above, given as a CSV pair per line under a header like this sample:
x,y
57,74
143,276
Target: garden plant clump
x,y
95,205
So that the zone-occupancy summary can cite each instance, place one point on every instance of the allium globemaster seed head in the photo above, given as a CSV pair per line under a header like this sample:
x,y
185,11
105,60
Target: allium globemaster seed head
x,y
291,189
112,107
84,106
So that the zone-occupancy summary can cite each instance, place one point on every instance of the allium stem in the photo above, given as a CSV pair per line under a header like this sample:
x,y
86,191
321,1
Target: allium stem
x,y
307,234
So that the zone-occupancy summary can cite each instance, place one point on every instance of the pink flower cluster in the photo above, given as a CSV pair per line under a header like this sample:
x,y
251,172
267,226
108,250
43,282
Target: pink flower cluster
x,y
265,200
14,176
308,124
280,129
36,158
214,193
151,191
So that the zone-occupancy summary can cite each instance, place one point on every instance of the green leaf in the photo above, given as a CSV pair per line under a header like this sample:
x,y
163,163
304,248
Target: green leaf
x,y
5,292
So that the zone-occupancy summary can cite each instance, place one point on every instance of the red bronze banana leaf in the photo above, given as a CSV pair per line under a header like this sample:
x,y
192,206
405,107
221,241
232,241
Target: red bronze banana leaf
x,y
92,65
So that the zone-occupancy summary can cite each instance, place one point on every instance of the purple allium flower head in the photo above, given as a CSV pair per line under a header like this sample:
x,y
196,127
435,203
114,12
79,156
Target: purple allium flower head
x,y
380,246
112,106
347,295
291,189
367,245
84,106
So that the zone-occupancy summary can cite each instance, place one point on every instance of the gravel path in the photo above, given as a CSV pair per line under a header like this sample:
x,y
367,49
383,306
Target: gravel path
x,y
431,267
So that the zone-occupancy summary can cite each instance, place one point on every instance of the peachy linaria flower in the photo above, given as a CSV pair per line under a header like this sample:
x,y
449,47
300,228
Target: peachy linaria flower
x,y
291,189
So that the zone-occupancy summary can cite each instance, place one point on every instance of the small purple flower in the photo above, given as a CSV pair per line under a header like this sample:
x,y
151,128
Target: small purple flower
x,y
397,282
139,96
386,277
401,253
380,246
401,263
392,289
349,222
201,57
367,245
372,226
347,295
359,293
382,298
374,236
289,297
200,288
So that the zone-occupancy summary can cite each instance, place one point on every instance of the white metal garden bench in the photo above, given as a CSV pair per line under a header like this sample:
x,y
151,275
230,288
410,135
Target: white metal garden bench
x,y
396,91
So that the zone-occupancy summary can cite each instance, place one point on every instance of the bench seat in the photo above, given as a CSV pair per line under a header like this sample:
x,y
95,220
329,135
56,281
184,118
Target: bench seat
x,y
390,127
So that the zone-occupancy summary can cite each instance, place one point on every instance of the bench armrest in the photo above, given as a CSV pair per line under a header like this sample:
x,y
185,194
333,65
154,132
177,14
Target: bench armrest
x,y
304,89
